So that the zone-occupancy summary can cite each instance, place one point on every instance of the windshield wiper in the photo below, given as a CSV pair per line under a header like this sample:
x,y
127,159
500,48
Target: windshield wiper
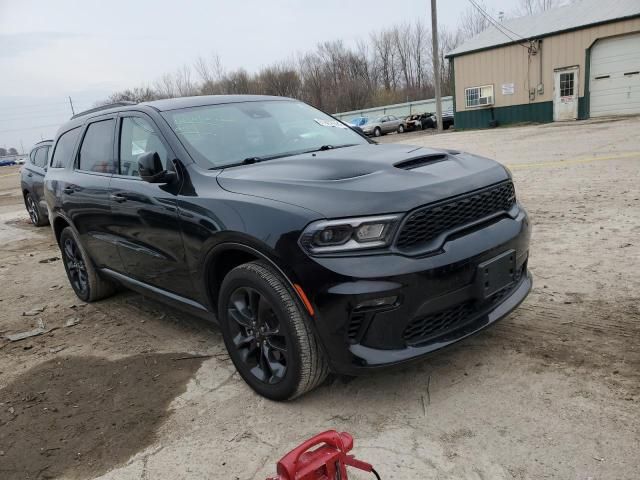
x,y
330,147
252,160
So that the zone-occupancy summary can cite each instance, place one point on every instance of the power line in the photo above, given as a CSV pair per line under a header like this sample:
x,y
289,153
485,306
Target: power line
x,y
501,28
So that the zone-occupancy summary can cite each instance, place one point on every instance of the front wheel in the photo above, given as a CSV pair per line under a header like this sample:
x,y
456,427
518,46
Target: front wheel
x,y
267,333
400,128
377,132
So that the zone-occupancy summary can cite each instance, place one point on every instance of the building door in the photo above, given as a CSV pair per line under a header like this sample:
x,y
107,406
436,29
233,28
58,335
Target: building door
x,y
614,81
565,94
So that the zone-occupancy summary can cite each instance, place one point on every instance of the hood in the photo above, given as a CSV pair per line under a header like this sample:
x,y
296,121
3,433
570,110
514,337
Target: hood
x,y
365,179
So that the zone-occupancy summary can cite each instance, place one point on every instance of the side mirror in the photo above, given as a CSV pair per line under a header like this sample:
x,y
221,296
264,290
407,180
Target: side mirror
x,y
151,169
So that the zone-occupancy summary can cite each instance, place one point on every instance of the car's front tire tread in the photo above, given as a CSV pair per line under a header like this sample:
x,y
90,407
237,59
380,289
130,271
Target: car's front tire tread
x,y
313,365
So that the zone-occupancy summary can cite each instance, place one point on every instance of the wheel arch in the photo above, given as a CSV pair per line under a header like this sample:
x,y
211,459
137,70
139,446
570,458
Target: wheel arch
x,y
59,224
224,257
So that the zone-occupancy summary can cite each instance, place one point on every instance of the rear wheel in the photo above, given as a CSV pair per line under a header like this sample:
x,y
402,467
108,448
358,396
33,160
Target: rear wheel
x,y
82,275
34,212
267,333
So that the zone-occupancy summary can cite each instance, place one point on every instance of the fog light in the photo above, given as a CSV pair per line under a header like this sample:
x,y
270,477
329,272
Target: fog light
x,y
377,302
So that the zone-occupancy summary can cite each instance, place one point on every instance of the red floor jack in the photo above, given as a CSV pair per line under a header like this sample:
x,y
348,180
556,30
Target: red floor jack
x,y
327,462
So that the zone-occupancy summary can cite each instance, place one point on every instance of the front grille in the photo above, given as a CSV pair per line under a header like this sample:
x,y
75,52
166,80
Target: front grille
x,y
435,325
427,223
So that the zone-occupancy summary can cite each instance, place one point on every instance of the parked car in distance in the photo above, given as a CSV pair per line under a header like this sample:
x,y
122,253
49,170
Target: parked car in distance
x,y
7,162
358,121
383,125
413,122
430,120
314,248
32,183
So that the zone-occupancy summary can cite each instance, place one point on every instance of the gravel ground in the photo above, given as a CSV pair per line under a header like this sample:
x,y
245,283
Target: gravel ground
x,y
552,391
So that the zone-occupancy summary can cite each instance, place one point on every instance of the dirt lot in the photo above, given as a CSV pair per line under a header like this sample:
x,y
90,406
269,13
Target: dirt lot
x,y
553,391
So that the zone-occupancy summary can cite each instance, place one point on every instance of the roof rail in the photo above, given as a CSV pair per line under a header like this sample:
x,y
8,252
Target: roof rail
x,y
43,141
103,107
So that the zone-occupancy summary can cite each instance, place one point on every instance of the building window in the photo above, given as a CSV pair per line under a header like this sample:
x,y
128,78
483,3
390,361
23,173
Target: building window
x,y
566,84
479,96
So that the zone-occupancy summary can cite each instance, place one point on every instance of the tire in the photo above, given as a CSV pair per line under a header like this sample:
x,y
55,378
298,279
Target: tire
x,y
400,128
82,275
377,132
35,215
281,365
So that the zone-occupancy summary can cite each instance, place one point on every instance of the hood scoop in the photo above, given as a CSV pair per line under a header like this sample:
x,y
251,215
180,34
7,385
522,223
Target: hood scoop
x,y
420,161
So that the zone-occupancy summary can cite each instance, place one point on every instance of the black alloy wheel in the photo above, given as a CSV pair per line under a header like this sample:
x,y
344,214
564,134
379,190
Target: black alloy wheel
x,y
76,267
32,208
267,332
255,331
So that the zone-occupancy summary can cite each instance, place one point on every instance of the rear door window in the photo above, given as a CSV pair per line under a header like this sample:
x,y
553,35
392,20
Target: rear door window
x,y
96,152
64,148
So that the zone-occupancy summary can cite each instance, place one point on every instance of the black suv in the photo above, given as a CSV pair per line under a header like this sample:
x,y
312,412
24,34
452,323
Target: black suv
x,y
315,249
32,182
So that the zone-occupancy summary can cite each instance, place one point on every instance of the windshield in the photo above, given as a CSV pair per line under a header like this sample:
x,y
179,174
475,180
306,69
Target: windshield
x,y
220,135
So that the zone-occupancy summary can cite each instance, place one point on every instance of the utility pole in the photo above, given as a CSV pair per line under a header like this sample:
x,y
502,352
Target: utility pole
x,y
436,62
71,103
22,146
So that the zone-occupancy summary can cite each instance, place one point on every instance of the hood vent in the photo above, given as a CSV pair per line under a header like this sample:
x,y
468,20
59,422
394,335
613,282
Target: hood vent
x,y
420,161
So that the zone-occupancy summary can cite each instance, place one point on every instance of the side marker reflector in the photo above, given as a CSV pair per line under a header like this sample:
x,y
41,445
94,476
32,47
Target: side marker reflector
x,y
305,300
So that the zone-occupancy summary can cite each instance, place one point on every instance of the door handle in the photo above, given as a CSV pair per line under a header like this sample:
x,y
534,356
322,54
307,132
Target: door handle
x,y
68,190
117,197
29,174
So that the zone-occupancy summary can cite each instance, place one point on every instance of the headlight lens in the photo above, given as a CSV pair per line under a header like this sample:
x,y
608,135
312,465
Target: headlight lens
x,y
333,236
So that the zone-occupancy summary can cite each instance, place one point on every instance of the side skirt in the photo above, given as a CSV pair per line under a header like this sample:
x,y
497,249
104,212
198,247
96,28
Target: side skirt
x,y
190,306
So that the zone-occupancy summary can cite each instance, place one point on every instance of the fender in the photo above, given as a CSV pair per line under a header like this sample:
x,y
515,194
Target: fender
x,y
234,245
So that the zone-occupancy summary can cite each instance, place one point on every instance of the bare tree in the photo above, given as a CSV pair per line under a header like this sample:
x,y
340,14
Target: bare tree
x,y
13,151
165,86
211,73
3,151
391,66
184,84
472,21
531,7
279,79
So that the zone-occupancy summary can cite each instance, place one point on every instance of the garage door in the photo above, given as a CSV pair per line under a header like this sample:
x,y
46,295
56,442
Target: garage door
x,y
614,80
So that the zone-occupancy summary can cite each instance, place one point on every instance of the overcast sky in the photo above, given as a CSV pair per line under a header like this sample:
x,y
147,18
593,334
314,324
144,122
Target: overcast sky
x,y
88,49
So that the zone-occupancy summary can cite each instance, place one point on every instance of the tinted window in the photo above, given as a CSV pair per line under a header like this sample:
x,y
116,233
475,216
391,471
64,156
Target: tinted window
x,y
138,136
40,159
64,148
96,152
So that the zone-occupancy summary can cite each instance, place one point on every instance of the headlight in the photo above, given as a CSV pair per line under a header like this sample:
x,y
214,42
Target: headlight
x,y
331,236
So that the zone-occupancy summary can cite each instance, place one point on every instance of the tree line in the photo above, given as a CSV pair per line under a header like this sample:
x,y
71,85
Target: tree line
x,y
392,65
11,151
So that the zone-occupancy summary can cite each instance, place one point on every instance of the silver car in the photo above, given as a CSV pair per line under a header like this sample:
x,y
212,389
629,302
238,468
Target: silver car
x,y
383,125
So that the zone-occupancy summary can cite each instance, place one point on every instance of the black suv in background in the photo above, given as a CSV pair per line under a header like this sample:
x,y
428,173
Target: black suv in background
x,y
314,248
32,182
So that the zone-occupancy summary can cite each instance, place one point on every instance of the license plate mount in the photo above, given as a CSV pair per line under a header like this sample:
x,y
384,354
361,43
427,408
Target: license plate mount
x,y
496,274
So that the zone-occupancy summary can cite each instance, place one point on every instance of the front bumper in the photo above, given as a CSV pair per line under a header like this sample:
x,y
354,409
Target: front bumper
x,y
437,297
